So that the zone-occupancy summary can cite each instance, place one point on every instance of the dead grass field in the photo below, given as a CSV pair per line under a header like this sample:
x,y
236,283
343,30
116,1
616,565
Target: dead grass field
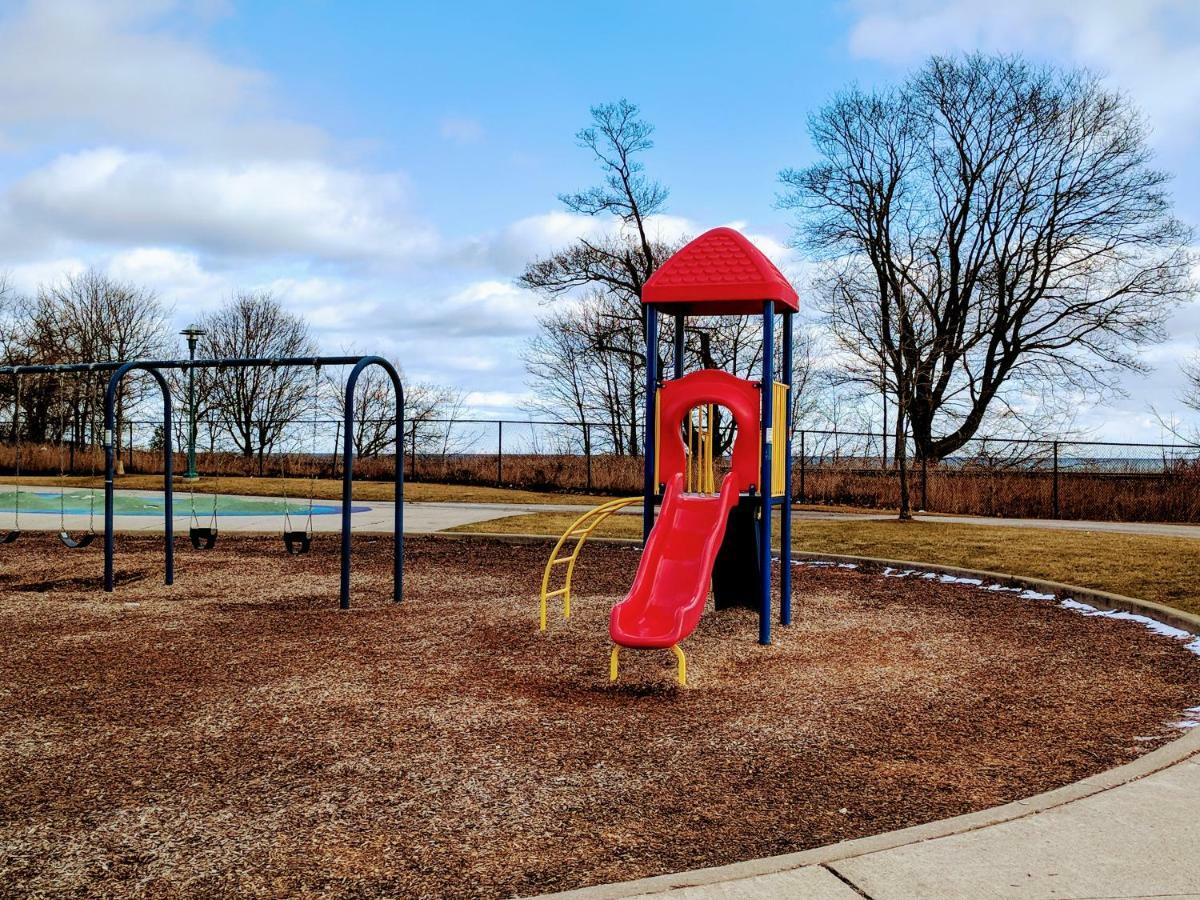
x,y
237,734
1162,569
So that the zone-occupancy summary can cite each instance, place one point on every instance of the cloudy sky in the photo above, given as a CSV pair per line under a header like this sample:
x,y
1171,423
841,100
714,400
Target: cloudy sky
x,y
386,168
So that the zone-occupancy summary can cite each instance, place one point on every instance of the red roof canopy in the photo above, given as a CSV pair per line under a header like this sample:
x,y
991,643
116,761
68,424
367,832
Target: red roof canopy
x,y
719,273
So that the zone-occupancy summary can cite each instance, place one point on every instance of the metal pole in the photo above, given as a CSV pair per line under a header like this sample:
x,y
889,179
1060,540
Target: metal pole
x,y
191,457
649,488
168,473
785,524
348,482
680,324
587,451
337,442
764,487
803,495
1054,487
499,453
412,469
925,482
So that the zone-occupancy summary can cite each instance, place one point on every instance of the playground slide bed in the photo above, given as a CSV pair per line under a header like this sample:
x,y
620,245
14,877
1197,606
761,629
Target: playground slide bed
x,y
236,734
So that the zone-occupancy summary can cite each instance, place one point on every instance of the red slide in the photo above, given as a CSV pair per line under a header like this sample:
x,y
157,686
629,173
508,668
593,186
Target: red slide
x,y
670,590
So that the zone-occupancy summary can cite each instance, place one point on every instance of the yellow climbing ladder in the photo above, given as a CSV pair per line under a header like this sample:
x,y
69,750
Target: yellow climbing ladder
x,y
581,529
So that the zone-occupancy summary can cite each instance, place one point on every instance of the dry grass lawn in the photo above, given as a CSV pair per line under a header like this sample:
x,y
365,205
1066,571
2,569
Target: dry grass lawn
x,y
236,734
1162,569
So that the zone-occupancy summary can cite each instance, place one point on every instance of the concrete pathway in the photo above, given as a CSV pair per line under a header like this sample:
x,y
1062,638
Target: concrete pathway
x,y
1138,840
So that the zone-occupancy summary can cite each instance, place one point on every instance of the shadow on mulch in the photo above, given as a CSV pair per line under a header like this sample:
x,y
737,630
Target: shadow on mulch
x,y
236,733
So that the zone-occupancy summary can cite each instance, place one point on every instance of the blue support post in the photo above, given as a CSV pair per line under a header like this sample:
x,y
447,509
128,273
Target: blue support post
x,y
110,402
348,480
648,486
764,488
680,320
785,522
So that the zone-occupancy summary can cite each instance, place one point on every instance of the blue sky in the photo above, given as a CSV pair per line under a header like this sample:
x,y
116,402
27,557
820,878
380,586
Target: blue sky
x,y
386,168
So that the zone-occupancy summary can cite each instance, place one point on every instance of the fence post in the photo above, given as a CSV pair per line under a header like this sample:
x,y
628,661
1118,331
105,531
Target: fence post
x,y
412,454
499,453
803,494
924,482
587,451
1054,483
337,443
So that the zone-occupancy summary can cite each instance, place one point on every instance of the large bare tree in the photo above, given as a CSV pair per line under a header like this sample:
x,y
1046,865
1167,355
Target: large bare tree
x,y
992,233
256,406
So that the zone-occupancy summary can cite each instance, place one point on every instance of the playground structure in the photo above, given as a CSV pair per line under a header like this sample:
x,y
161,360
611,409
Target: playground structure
x,y
204,537
703,541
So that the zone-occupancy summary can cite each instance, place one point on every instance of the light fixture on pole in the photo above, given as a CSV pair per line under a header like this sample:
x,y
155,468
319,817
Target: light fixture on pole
x,y
193,333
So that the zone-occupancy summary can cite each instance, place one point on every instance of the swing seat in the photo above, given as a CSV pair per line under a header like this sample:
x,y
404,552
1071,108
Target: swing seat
x,y
9,536
203,537
72,543
297,542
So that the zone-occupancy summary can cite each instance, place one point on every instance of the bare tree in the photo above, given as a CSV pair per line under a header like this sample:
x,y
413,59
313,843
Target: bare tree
x,y
990,231
254,406
609,271
88,317
374,408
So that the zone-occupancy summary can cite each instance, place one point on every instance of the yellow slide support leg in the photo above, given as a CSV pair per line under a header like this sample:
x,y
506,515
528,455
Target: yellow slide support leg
x,y
682,675
614,664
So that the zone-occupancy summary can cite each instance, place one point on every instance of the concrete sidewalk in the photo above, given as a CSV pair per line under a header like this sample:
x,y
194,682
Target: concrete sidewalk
x,y
1130,832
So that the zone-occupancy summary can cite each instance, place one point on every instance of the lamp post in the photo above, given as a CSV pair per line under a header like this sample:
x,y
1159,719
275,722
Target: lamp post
x,y
193,333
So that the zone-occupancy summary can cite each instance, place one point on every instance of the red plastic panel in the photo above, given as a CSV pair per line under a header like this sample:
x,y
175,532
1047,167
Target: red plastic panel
x,y
671,587
741,397
719,273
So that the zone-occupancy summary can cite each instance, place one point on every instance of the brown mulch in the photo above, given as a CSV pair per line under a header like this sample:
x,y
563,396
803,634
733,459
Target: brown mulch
x,y
238,734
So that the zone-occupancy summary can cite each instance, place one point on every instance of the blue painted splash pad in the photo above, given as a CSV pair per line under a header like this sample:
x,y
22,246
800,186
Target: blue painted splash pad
x,y
78,502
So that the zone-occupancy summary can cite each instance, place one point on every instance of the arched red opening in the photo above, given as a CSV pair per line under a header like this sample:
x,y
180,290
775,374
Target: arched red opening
x,y
741,397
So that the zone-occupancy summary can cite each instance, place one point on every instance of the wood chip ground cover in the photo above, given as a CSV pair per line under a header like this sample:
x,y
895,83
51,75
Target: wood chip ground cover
x,y
237,734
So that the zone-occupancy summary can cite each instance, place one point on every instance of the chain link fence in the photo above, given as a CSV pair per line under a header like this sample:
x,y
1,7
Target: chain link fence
x,y
1068,479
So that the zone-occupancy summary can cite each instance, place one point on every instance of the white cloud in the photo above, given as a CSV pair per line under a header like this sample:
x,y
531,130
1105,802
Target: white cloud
x,y
1149,47
461,130
498,400
257,208
27,277
82,70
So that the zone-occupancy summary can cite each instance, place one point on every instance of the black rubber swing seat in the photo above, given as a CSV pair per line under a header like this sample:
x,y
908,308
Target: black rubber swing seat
x,y
9,536
203,537
297,542
72,543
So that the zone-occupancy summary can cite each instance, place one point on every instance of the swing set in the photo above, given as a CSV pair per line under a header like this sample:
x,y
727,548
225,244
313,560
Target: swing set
x,y
70,541
296,540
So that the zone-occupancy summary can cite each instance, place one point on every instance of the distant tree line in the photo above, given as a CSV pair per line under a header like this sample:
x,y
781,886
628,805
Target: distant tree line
x,y
92,317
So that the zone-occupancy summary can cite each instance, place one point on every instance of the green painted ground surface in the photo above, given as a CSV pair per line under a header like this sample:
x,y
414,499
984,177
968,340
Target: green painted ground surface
x,y
78,501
